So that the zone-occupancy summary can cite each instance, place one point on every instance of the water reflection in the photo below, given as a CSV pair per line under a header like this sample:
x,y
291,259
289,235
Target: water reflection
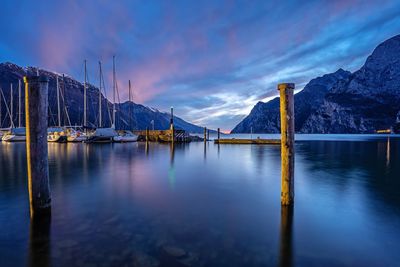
x,y
171,171
286,235
114,206
39,241
388,152
146,148
205,151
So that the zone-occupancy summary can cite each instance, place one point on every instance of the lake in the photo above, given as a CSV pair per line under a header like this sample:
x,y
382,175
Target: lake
x,y
207,205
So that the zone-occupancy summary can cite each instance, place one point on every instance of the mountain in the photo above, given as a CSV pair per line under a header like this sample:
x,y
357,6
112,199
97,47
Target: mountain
x,y
73,91
341,102
265,117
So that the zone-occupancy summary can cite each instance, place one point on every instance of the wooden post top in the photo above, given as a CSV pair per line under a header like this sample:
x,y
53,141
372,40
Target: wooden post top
x,y
35,78
283,86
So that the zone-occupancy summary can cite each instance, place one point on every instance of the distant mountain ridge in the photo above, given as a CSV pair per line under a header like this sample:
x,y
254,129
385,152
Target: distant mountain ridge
x,y
341,102
142,115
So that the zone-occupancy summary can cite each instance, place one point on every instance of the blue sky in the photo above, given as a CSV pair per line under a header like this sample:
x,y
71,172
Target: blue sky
x,y
211,60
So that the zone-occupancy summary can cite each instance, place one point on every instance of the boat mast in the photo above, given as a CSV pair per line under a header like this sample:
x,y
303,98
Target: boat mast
x,y
101,75
12,106
114,85
19,103
84,100
130,106
58,103
63,96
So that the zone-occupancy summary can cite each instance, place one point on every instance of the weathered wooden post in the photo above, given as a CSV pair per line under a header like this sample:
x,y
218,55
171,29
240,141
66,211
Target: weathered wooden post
x,y
147,135
287,142
218,133
36,108
205,134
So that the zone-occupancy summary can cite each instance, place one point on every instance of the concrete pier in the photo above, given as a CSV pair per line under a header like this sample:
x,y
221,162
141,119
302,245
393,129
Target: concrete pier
x,y
36,107
287,142
257,141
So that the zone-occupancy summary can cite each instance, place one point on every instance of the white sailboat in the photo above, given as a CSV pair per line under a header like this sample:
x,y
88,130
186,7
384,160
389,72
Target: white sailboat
x,y
1,115
74,135
15,134
126,135
58,134
103,135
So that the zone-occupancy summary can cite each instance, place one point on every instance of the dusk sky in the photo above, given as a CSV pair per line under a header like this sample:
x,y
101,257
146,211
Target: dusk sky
x,y
211,60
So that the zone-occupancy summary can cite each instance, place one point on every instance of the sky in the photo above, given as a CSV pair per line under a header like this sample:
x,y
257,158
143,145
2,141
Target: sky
x,y
211,60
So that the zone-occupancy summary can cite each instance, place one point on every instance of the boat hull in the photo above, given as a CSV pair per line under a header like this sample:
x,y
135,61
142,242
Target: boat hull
x,y
76,139
99,139
123,139
57,139
13,138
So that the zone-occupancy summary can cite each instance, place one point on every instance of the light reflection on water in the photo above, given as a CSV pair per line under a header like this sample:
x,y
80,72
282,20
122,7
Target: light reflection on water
x,y
123,204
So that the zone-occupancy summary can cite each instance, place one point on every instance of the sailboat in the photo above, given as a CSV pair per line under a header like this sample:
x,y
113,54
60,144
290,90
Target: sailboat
x,y
1,115
126,135
102,135
15,134
59,133
75,135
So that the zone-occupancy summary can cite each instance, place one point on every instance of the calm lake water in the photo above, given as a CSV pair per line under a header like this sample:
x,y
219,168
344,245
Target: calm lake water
x,y
196,205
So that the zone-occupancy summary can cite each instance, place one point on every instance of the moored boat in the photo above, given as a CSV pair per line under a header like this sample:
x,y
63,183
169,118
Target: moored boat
x,y
101,135
57,134
125,136
15,135
76,136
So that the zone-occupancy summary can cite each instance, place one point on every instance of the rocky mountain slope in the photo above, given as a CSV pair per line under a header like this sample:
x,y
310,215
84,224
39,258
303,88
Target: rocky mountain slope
x,y
141,116
341,102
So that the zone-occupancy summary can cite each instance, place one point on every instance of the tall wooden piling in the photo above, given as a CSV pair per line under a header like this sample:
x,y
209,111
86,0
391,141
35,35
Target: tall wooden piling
x,y
287,142
36,111
205,134
147,135
218,134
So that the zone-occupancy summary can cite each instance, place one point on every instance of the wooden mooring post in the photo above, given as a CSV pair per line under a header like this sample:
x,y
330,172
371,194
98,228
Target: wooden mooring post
x,y
287,142
36,111
205,134
218,135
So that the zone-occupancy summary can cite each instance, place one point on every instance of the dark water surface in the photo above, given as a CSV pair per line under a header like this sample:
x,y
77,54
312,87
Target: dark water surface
x,y
196,205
